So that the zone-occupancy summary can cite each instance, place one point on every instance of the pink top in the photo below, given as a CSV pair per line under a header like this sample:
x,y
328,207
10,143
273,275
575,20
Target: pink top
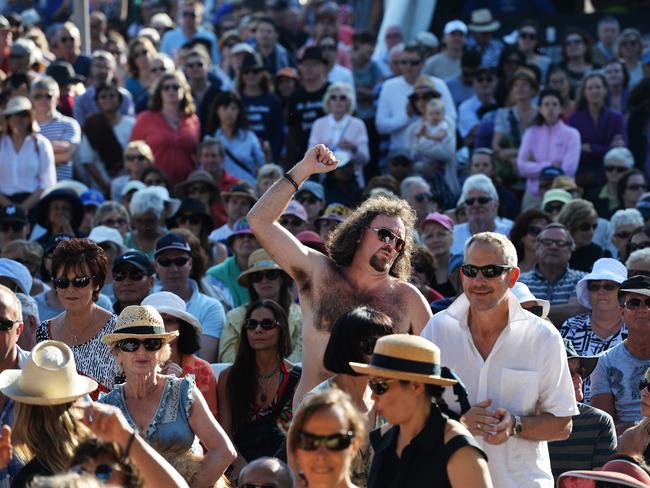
x,y
543,145
172,148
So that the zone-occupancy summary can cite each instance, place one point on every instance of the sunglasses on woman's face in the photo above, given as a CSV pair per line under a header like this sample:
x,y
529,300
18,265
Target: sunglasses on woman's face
x,y
379,387
78,282
332,442
269,275
132,345
265,324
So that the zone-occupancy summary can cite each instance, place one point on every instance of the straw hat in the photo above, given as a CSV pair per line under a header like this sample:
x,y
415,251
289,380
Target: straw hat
x,y
137,321
171,304
258,261
405,357
49,377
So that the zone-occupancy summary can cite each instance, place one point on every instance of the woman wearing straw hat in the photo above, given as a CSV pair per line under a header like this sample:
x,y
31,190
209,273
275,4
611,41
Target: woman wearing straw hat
x,y
27,157
264,279
165,410
45,432
405,379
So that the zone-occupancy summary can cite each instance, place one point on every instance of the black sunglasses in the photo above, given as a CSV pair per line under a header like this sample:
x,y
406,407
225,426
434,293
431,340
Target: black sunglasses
x,y
422,197
167,262
557,242
132,345
270,275
618,169
635,303
13,226
591,286
332,442
553,208
78,282
386,236
7,324
265,324
379,387
131,275
488,271
480,200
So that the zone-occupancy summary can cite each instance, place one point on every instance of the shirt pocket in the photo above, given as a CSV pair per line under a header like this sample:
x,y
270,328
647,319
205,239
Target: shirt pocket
x,y
519,389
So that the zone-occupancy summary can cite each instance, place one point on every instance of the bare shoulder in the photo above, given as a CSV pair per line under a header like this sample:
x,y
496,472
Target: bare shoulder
x,y
320,264
454,429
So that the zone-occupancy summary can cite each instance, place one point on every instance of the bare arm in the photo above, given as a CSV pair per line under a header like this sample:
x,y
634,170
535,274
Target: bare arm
x,y
295,258
209,348
605,402
419,311
541,427
63,151
466,467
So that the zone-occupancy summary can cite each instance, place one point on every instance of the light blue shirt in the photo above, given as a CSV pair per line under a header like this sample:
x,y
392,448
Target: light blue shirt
x,y
175,38
245,146
45,312
462,234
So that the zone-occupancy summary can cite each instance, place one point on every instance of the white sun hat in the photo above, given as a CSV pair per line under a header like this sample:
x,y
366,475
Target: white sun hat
x,y
603,269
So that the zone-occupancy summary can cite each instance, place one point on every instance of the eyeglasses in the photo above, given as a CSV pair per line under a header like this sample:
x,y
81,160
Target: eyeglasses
x,y
189,219
424,197
639,245
388,237
78,282
488,271
12,226
270,275
103,472
135,157
339,98
21,115
635,303
368,345
114,222
67,39
265,324
638,187
171,88
617,169
198,64
332,442
528,35
178,262
379,387
586,227
410,62
307,200
7,324
553,207
132,345
591,286
42,96
291,222
533,230
624,234
480,200
554,242
131,275
643,384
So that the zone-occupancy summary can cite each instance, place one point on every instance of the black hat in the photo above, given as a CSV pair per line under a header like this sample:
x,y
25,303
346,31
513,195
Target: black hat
x,y
588,363
636,284
54,240
77,207
12,213
171,241
313,53
63,73
195,207
137,259
251,62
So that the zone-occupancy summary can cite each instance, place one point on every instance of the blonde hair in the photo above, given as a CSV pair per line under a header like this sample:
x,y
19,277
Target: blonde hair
x,y
345,88
143,148
49,433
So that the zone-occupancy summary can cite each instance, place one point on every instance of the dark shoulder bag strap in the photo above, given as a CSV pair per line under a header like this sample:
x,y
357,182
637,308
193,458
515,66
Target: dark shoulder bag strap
x,y
237,161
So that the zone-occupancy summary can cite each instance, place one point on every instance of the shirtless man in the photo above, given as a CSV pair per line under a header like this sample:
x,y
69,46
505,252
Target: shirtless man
x,y
370,264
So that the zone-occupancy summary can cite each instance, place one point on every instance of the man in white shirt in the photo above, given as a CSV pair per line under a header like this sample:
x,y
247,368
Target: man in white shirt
x,y
512,363
393,112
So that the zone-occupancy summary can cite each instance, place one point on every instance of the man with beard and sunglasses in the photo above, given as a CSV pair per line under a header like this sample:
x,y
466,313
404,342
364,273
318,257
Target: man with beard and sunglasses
x,y
512,363
369,263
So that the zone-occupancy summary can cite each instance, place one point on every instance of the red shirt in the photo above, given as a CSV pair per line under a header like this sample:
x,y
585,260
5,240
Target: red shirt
x,y
172,148
204,378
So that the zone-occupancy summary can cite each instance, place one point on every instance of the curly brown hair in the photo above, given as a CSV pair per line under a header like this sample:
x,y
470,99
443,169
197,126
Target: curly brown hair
x,y
185,105
76,254
343,241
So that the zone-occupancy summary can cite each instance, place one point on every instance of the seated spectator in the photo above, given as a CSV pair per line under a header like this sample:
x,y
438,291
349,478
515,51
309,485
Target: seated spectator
x,y
593,438
140,54
528,40
437,234
482,201
558,79
482,162
189,28
635,441
112,214
209,156
484,85
312,197
13,224
524,234
423,269
630,47
620,369
66,46
237,202
30,255
253,415
577,47
59,212
204,85
621,226
264,280
554,201
91,200
638,263
132,279
639,239
137,158
581,219
617,162
294,218
417,192
333,215
336,73
548,142
618,80
193,216
602,327
530,302
266,176
630,187
447,64
201,186
510,60
148,217
341,185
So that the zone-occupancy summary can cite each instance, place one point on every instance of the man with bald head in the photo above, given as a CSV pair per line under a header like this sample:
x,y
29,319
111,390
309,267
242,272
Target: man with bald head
x,y
266,471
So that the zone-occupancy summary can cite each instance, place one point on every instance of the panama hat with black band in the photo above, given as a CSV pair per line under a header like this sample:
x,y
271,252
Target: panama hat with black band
x,y
407,358
139,322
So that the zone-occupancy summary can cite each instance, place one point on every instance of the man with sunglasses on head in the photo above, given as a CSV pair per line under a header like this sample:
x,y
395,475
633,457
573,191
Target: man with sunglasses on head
x,y
132,279
370,253
512,363
173,264
13,224
615,381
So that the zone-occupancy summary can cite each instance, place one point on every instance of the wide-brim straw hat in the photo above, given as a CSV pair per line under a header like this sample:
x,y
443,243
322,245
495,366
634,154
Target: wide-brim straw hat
x,y
405,357
171,304
139,322
49,377
258,261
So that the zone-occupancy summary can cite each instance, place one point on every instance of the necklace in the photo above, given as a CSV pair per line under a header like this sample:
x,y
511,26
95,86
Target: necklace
x,y
271,374
70,334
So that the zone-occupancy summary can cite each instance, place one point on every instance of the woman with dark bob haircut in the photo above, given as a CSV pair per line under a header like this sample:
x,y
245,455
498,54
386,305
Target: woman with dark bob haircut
x,y
524,234
256,392
631,186
78,273
353,339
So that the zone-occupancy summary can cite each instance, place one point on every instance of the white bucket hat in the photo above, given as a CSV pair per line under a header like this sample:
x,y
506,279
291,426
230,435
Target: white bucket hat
x,y
523,294
103,233
604,269
171,304
49,377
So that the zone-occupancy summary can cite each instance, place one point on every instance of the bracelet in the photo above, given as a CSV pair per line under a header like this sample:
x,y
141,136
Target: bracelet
x,y
292,181
128,447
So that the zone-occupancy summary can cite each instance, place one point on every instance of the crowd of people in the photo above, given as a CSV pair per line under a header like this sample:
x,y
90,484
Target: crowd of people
x,y
296,244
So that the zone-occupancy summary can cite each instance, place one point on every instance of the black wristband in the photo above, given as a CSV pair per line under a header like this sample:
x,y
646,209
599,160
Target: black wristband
x,y
125,456
292,181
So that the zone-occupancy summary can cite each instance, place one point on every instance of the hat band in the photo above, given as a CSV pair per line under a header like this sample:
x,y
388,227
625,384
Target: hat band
x,y
404,365
141,329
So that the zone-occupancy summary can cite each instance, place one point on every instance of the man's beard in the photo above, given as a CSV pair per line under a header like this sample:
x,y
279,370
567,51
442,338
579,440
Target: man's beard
x,y
379,264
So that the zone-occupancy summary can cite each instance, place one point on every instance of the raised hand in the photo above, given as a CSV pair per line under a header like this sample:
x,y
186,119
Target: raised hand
x,y
319,159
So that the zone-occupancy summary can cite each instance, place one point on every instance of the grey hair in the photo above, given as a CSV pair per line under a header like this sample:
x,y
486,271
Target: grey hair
x,y
29,307
557,225
167,61
641,255
108,207
14,302
269,170
408,181
624,217
102,54
147,200
46,83
345,88
479,183
497,240
622,154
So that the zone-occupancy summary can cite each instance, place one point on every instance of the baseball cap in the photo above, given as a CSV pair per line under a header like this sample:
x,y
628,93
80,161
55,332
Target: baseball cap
x,y
137,259
312,53
455,25
636,284
549,173
92,197
556,195
17,273
314,188
171,241
439,218
53,241
296,209
13,213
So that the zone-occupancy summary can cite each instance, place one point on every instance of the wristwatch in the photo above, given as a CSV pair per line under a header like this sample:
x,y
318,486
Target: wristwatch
x,y
516,428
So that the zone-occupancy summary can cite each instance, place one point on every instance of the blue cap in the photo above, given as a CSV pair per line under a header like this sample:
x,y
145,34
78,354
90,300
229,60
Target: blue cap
x,y
53,241
314,188
18,273
643,206
240,227
137,259
550,172
171,241
455,261
92,197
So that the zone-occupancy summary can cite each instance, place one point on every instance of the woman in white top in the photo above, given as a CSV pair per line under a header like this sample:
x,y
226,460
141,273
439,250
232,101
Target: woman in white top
x,y
27,158
343,133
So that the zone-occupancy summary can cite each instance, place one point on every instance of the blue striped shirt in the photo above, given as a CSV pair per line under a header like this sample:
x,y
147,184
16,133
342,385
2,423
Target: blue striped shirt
x,y
558,292
62,128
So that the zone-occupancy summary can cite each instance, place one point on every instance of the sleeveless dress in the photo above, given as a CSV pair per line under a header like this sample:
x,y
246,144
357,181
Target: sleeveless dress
x,y
93,358
423,462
